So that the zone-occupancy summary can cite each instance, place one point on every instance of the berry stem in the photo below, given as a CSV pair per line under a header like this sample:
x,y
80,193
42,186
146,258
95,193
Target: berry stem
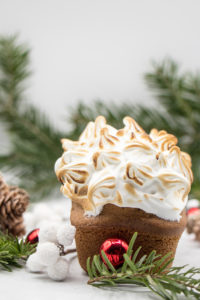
x,y
63,253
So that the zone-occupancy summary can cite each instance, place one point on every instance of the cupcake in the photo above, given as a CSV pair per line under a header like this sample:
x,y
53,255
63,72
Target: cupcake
x,y
125,181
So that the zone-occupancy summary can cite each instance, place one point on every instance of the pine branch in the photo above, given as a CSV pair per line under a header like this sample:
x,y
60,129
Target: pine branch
x,y
150,271
13,252
14,61
35,144
114,114
179,94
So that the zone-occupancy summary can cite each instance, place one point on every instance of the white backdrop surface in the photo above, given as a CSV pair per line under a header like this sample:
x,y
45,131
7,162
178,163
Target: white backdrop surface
x,y
20,284
88,49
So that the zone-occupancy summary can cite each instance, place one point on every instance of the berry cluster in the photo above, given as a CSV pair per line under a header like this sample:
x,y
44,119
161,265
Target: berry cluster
x,y
51,250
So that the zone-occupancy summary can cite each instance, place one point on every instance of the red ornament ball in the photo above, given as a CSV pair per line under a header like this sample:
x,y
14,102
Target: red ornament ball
x,y
32,237
114,250
193,210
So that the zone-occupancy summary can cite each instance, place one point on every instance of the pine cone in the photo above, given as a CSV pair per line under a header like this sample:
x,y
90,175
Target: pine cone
x,y
3,186
13,203
193,225
197,229
17,227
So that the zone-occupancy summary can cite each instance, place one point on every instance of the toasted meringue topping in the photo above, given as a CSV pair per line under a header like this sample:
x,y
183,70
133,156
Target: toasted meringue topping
x,y
127,168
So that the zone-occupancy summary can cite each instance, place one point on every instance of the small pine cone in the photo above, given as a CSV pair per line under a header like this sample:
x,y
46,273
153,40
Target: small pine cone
x,y
13,203
3,187
198,236
16,201
190,224
193,225
17,228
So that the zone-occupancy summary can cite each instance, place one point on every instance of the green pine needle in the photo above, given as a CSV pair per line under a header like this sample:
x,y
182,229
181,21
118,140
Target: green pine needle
x,y
150,271
13,251
35,143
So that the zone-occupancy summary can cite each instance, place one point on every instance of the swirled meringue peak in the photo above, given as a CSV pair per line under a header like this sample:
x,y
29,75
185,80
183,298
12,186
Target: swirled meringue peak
x,y
127,168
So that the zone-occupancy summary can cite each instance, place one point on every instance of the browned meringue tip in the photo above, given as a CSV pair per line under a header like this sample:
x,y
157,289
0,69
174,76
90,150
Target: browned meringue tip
x,y
126,167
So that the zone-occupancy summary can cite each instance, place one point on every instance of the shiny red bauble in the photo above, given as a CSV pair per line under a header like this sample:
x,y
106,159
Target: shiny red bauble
x,y
114,250
193,210
32,237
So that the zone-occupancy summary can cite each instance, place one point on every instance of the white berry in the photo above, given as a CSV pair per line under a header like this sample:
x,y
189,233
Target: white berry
x,y
59,270
65,235
48,253
48,232
33,263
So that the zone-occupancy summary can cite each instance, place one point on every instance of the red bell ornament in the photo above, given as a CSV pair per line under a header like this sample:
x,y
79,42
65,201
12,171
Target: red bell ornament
x,y
114,250
33,236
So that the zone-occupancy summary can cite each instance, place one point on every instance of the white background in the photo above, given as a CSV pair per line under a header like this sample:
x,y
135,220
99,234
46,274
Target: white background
x,y
89,49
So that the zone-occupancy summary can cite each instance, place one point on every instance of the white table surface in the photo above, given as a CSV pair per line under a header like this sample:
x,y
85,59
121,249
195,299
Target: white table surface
x,y
21,285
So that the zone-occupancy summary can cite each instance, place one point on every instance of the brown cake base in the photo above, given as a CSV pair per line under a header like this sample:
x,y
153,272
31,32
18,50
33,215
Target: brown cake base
x,y
121,222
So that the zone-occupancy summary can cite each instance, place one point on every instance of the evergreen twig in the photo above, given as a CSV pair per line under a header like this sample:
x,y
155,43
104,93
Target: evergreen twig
x,y
13,251
35,144
179,95
150,271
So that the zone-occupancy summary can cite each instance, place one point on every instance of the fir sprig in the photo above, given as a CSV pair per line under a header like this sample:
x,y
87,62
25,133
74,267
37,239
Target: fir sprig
x,y
13,251
152,271
179,95
35,143
114,113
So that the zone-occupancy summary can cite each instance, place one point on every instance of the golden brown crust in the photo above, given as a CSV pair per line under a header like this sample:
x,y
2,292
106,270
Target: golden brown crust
x,y
135,218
